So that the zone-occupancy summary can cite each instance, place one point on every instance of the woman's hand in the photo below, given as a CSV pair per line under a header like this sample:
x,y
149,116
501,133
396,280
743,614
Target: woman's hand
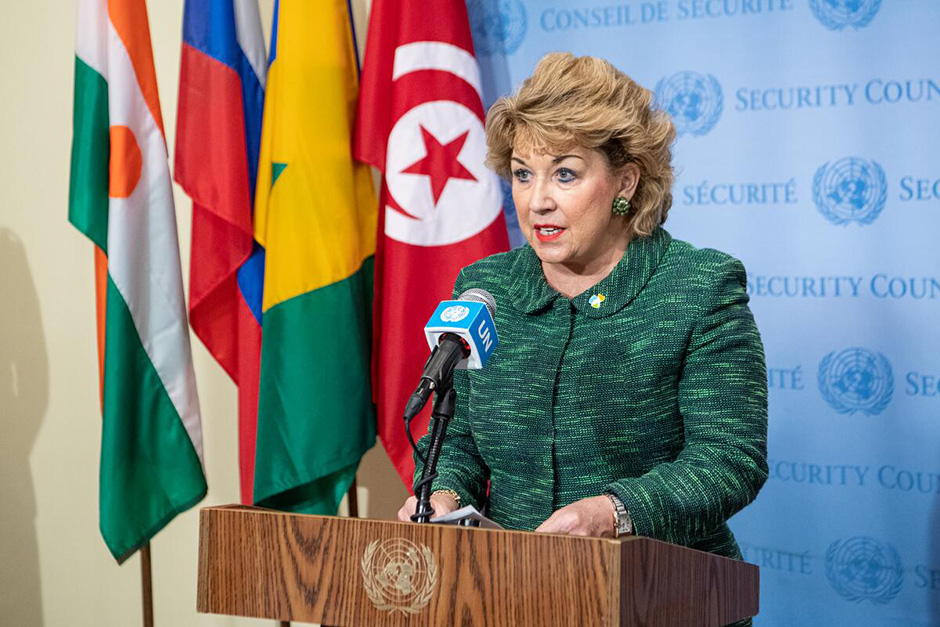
x,y
441,504
588,517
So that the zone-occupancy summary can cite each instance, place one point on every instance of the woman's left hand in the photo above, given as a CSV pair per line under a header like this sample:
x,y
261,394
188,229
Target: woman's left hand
x,y
588,517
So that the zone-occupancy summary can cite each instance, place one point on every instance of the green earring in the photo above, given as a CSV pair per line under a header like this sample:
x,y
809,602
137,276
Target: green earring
x,y
621,206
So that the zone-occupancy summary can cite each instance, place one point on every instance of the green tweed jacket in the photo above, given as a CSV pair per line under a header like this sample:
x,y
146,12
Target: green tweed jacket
x,y
650,385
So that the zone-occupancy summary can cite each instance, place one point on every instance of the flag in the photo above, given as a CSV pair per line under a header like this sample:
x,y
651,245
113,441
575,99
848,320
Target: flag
x,y
420,122
120,196
315,214
218,134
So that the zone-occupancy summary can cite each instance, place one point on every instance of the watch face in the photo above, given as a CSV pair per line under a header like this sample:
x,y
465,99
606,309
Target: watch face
x,y
625,526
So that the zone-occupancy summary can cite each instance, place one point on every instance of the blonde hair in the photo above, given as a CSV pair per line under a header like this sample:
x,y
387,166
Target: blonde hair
x,y
586,101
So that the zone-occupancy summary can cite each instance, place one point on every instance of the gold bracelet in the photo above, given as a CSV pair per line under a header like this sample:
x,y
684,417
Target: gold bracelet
x,y
450,493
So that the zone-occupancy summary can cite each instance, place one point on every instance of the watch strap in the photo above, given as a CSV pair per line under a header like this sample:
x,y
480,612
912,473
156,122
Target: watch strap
x,y
623,524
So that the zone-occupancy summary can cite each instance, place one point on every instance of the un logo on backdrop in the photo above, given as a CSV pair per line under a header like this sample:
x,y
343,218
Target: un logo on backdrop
x,y
851,189
862,568
837,14
693,100
856,379
498,26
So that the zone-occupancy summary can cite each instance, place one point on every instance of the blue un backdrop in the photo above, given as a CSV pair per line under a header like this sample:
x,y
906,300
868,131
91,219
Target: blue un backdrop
x,y
808,148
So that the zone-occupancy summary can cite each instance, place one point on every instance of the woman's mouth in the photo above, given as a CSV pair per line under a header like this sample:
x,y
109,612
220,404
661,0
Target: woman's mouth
x,y
548,232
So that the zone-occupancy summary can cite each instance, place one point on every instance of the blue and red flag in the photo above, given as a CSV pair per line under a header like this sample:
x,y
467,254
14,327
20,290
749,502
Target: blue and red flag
x,y
218,135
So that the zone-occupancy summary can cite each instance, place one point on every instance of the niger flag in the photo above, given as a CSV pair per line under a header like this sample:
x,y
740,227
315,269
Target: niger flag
x,y
315,215
121,198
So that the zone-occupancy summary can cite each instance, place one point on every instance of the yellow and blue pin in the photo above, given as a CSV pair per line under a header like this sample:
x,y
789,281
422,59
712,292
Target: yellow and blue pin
x,y
596,300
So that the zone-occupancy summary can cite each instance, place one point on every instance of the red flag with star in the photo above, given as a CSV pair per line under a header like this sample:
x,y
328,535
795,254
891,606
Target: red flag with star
x,y
420,122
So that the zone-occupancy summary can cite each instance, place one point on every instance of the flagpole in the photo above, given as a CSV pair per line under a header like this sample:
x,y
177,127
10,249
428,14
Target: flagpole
x,y
353,500
146,583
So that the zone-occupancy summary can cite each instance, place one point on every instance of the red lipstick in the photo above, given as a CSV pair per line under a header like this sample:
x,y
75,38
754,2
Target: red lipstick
x,y
555,232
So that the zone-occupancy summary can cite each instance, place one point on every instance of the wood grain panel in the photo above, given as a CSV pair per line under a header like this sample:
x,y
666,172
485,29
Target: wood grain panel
x,y
267,564
676,588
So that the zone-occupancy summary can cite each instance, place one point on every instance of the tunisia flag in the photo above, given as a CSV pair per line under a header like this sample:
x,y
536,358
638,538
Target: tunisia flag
x,y
420,122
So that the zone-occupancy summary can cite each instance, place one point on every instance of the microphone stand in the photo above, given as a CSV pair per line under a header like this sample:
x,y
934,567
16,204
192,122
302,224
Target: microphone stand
x,y
445,399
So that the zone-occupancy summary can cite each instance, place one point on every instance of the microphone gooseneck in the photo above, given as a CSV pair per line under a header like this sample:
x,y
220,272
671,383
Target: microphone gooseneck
x,y
444,358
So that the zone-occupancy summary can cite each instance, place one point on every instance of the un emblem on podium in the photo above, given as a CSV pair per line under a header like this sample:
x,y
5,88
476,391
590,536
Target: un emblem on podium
x,y
398,575
851,189
693,100
856,379
864,569
837,14
498,26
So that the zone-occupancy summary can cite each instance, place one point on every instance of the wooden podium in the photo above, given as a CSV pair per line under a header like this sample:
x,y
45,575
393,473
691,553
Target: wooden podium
x,y
348,571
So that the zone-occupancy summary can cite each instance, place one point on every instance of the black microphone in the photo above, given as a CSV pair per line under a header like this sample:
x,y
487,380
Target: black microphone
x,y
460,333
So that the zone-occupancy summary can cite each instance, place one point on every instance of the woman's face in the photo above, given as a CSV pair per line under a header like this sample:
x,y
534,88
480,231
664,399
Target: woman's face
x,y
564,203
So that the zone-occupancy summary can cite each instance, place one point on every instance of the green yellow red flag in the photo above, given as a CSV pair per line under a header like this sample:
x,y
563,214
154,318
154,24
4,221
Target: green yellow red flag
x,y
315,215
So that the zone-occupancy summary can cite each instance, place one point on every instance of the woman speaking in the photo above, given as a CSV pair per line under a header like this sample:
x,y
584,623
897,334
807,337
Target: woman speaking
x,y
628,392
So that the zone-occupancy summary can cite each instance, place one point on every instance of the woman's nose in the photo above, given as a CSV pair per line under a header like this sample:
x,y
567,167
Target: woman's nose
x,y
541,200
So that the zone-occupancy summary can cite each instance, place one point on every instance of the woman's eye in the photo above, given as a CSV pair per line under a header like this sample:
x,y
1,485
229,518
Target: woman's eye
x,y
566,176
521,175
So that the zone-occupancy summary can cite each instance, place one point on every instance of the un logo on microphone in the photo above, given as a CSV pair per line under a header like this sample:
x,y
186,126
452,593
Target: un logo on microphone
x,y
455,313
851,189
837,14
498,26
864,569
693,100
856,380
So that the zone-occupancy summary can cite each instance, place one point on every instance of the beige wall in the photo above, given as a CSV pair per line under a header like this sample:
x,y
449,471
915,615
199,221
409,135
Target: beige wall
x,y
54,567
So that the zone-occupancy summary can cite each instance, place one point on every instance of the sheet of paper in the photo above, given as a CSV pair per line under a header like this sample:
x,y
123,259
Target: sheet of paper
x,y
466,513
